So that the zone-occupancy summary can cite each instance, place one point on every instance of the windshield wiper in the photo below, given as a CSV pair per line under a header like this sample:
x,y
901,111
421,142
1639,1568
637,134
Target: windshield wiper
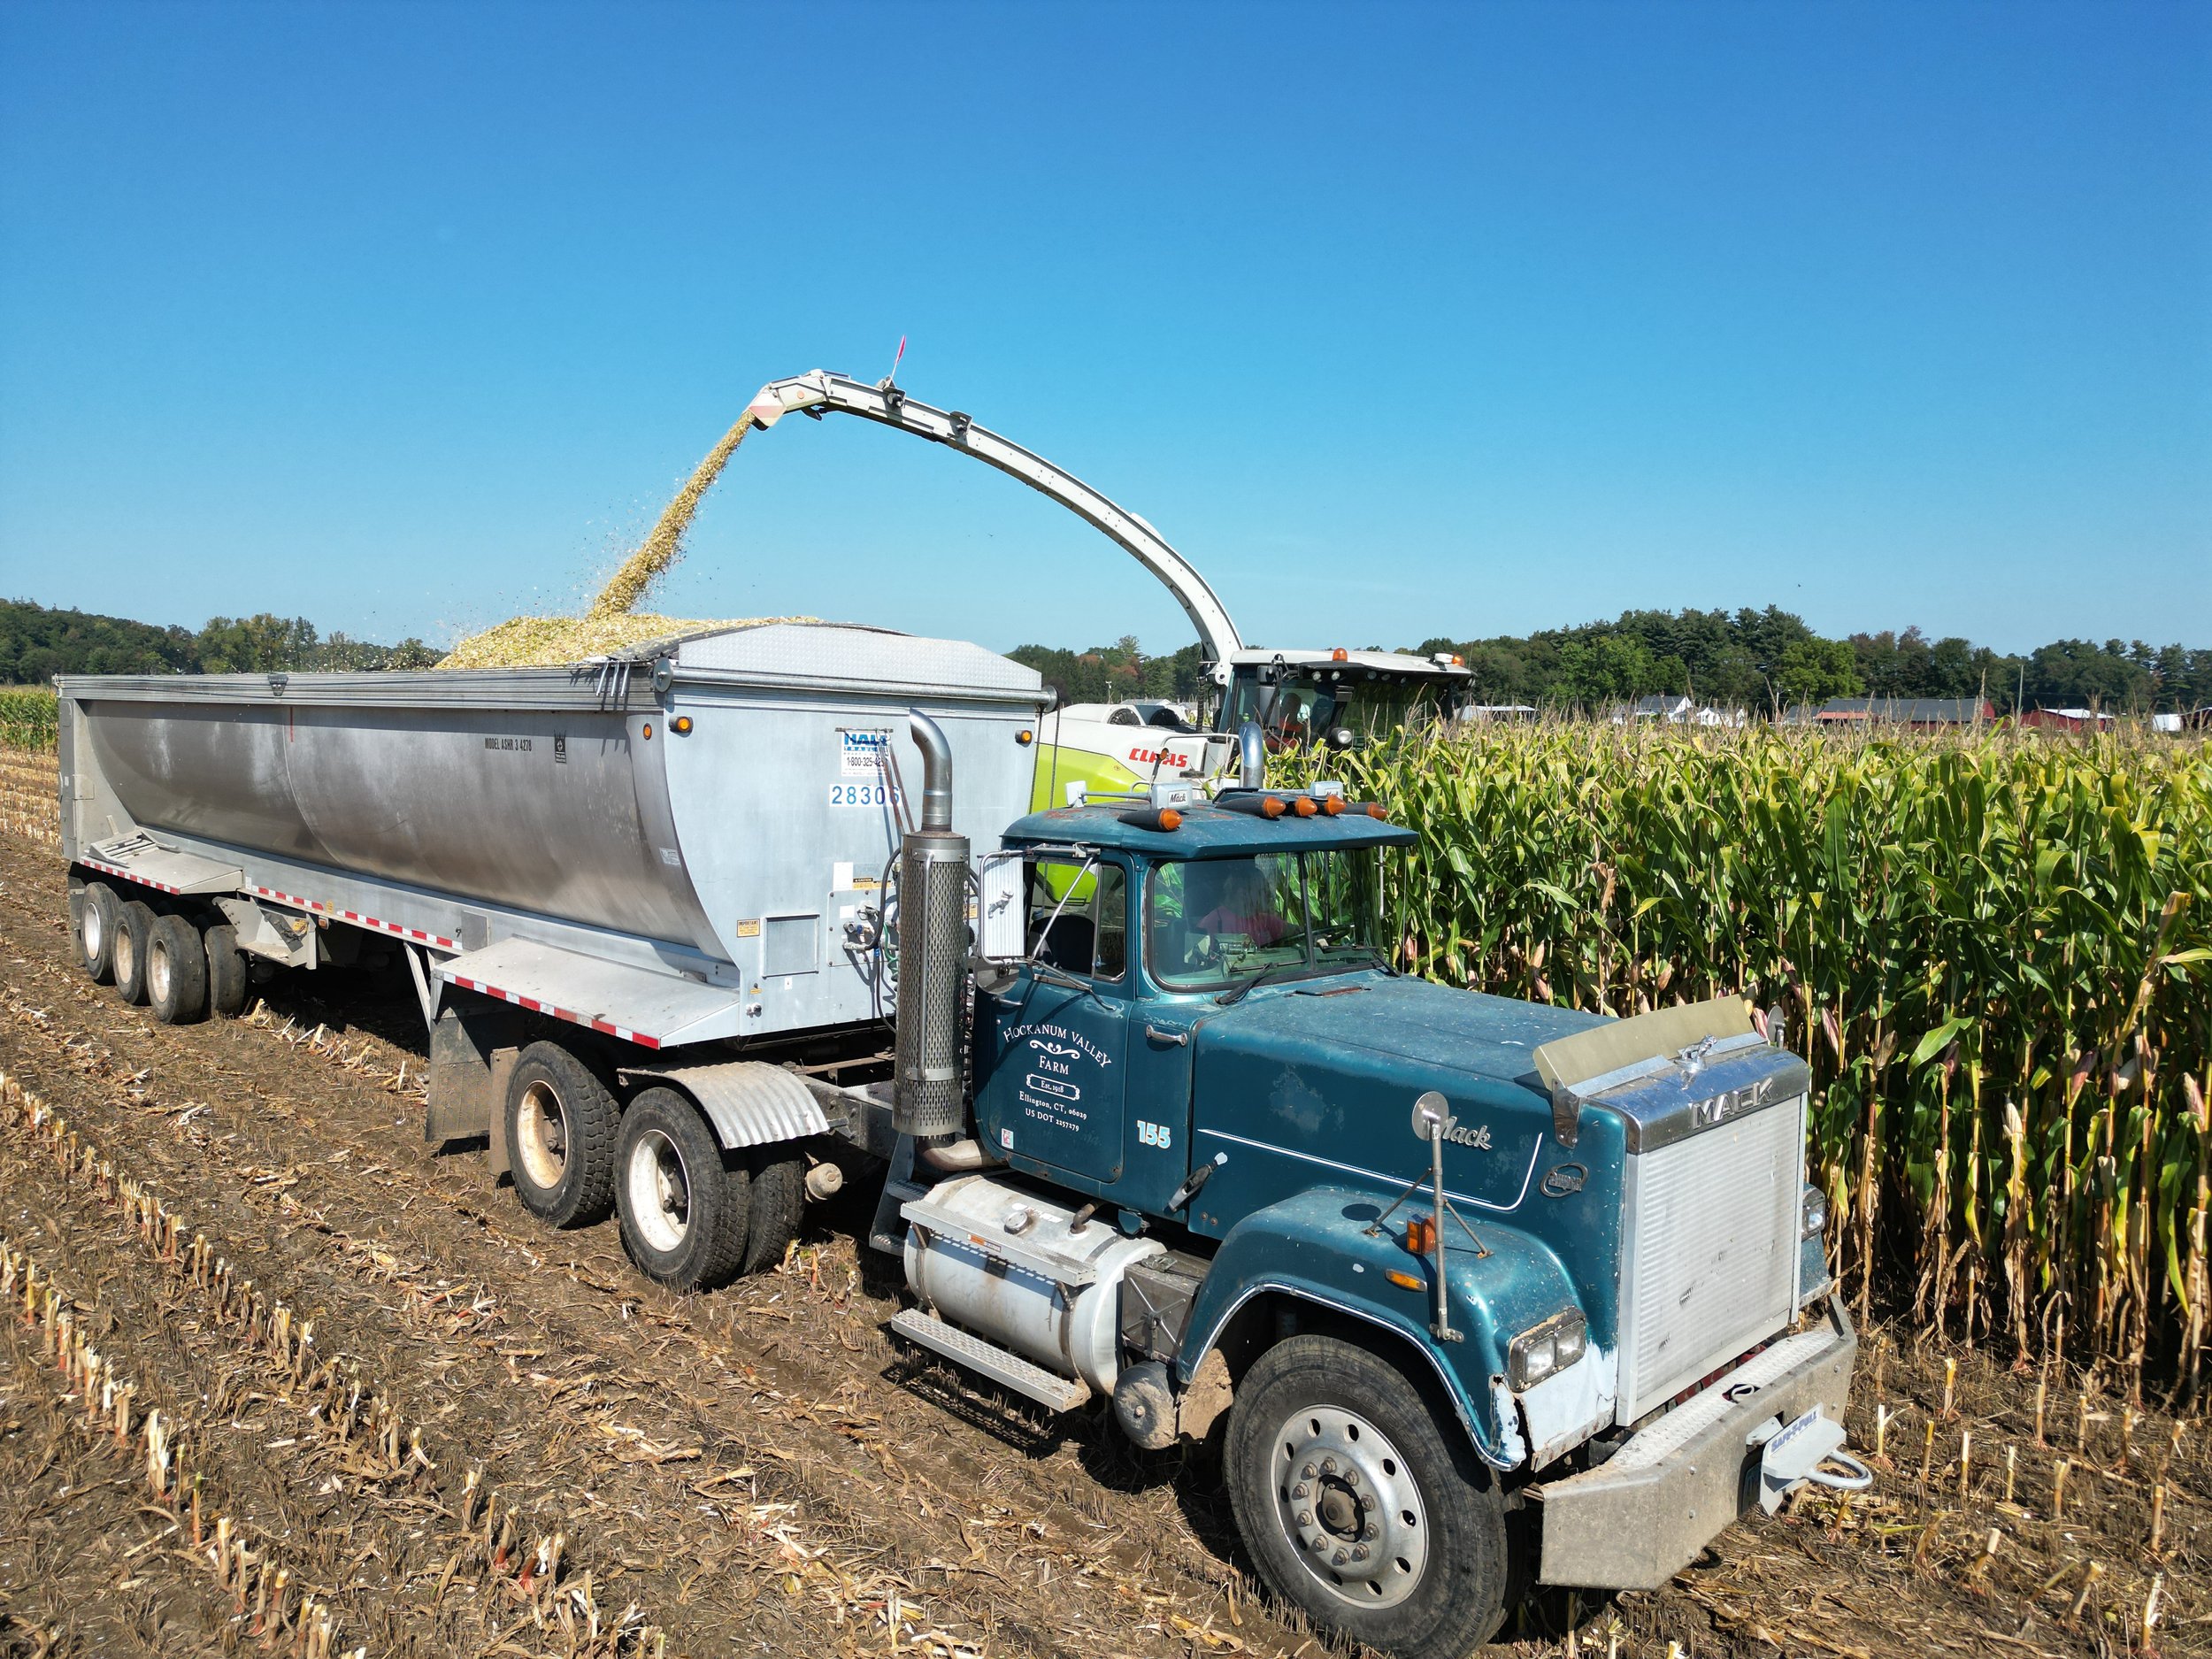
x,y
1236,993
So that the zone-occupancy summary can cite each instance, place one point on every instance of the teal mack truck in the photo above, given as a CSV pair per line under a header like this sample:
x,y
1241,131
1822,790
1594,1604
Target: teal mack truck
x,y
1470,1293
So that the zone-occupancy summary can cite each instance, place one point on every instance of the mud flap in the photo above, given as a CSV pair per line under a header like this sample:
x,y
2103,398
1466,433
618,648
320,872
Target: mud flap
x,y
472,1052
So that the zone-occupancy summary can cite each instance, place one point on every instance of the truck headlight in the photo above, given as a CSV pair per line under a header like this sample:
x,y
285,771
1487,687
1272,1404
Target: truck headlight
x,y
1545,1348
1814,1213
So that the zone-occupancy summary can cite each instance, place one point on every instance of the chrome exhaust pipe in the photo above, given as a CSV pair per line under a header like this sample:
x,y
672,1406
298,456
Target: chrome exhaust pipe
x,y
929,1096
1251,756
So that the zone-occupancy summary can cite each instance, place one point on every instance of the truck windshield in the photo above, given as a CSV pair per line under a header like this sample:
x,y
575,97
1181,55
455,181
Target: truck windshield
x,y
1213,922
1309,705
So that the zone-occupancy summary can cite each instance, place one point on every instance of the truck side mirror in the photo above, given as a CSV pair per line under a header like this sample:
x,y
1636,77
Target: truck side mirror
x,y
1002,926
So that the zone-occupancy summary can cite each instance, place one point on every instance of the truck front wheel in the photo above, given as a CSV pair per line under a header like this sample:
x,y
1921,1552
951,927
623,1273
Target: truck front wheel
x,y
1363,1507
561,1128
684,1204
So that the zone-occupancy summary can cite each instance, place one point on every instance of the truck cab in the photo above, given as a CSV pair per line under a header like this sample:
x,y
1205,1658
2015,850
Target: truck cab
x,y
1434,1271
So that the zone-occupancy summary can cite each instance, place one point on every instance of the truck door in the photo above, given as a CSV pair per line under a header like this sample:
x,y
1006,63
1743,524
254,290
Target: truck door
x,y
1056,1043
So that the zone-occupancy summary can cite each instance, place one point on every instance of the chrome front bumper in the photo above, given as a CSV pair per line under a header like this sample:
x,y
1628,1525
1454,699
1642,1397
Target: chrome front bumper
x,y
1643,1514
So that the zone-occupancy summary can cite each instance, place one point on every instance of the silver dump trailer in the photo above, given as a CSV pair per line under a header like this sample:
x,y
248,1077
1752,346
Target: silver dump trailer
x,y
677,863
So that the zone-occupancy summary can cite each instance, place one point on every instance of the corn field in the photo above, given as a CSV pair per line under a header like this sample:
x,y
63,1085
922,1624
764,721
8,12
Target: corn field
x,y
29,718
1996,953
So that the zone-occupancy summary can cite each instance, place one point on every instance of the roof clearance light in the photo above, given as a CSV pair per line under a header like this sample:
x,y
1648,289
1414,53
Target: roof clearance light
x,y
1272,806
1331,804
1164,818
1339,655
1304,806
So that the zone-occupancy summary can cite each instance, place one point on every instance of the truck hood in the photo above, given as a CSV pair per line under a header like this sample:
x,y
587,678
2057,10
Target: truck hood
x,y
1326,1073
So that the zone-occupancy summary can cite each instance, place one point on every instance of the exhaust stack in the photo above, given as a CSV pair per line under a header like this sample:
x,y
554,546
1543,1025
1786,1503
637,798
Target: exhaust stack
x,y
929,1098
1251,756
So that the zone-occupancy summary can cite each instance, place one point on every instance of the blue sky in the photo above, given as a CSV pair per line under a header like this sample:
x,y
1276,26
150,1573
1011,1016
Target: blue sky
x,y
1398,321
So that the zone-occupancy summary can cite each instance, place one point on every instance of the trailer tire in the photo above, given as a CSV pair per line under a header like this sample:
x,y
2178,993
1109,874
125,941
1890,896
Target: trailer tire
x,y
176,971
133,935
1434,1583
779,1203
226,972
561,1129
99,913
685,1203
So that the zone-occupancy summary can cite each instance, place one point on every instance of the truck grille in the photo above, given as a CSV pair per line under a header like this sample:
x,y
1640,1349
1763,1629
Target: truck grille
x,y
1710,1258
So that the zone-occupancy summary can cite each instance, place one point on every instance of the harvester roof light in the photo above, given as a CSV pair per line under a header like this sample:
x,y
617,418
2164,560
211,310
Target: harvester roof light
x,y
1339,655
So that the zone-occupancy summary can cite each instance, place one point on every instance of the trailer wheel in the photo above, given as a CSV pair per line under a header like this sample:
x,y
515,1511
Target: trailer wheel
x,y
1361,1505
561,1128
176,971
133,935
99,913
685,1203
779,1203
226,972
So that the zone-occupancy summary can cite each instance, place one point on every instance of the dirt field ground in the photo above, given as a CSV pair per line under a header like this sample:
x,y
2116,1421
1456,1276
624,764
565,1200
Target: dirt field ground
x,y
394,1392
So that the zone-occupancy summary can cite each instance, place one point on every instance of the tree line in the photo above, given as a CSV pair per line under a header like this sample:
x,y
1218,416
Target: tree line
x,y
1762,661
37,643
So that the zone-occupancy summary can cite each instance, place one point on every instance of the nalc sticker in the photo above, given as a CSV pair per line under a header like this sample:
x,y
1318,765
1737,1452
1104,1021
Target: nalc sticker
x,y
860,753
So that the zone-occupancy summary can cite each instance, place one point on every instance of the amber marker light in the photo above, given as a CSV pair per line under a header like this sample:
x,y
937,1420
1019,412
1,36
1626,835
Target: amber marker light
x,y
1403,1281
649,731
1339,655
1025,737
681,725
1331,805
1304,806
1272,806
1421,1235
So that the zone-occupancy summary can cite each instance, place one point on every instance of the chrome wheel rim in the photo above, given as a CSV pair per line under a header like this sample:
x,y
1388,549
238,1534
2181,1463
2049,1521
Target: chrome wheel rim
x,y
156,973
124,952
1349,1507
660,1191
541,1135
92,933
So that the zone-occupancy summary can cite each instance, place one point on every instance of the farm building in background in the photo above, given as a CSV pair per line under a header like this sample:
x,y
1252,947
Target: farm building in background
x,y
2068,719
1922,714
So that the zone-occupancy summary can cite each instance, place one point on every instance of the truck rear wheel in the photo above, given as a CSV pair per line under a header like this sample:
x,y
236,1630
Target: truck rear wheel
x,y
134,933
561,1129
226,972
779,1203
176,971
98,914
684,1203
1363,1507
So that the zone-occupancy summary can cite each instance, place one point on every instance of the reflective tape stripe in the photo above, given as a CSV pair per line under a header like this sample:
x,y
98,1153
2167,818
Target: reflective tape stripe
x,y
393,928
129,875
536,1007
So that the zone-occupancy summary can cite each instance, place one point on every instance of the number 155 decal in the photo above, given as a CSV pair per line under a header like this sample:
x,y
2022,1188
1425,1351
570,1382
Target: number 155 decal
x,y
1154,1134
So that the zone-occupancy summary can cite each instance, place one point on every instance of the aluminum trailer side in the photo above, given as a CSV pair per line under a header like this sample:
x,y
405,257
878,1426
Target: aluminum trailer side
x,y
687,850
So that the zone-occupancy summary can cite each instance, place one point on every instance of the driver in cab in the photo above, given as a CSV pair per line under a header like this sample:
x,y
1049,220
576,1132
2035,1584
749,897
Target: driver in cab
x,y
1232,901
